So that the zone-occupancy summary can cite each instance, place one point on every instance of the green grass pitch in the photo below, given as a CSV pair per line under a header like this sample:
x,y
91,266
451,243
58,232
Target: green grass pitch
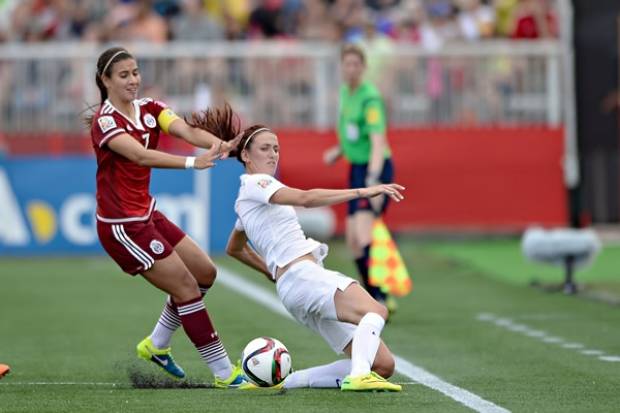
x,y
77,320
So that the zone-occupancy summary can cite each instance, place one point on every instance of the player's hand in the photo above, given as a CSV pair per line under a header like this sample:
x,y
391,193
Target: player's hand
x,y
206,160
331,155
224,148
216,152
391,190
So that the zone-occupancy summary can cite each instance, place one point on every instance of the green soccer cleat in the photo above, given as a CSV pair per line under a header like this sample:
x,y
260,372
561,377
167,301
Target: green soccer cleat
x,y
368,382
236,380
162,357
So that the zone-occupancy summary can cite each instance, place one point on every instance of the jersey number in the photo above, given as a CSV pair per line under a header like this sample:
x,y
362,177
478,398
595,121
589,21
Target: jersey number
x,y
146,136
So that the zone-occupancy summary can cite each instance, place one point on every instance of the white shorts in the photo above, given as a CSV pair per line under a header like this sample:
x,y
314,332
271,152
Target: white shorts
x,y
307,291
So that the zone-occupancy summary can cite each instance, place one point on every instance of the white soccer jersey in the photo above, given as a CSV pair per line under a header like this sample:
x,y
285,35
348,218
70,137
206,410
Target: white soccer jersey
x,y
273,230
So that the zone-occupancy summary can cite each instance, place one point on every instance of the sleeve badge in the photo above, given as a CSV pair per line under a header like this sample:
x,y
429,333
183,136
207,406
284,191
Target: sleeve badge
x,y
264,183
373,116
106,123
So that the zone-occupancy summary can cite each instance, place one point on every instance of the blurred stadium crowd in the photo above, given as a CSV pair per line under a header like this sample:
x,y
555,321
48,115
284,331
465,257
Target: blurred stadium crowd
x,y
475,78
428,22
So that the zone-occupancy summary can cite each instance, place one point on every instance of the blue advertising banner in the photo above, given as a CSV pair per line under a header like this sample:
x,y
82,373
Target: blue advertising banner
x,y
47,205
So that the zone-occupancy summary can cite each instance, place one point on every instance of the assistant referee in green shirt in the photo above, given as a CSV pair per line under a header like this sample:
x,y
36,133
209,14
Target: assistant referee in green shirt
x,y
363,142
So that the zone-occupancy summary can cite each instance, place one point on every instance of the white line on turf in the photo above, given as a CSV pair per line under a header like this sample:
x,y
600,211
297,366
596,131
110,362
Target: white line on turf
x,y
404,367
79,383
462,396
61,383
543,336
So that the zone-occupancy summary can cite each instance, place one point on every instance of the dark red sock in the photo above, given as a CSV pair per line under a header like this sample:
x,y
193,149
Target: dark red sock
x,y
200,330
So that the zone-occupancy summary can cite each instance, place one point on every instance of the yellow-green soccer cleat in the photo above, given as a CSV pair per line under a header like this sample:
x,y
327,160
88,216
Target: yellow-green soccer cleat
x,y
236,380
368,382
252,386
162,357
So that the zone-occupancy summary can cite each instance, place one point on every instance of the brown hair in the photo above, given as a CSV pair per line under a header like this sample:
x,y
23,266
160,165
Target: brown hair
x,y
225,124
350,48
104,67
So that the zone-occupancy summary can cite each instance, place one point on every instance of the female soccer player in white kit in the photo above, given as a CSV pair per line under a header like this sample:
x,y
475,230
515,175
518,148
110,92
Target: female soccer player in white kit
x,y
333,305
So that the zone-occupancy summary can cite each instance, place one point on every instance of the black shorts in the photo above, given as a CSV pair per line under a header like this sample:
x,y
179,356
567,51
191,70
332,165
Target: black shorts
x,y
357,179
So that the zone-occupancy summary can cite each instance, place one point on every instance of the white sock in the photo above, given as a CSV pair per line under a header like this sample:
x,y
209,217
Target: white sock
x,y
325,376
366,342
169,321
221,368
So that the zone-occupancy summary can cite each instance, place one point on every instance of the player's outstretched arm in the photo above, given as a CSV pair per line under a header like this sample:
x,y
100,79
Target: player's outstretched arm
x,y
127,146
239,248
201,138
324,197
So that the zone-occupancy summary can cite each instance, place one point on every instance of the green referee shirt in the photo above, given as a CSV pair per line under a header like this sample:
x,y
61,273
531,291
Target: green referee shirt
x,y
361,114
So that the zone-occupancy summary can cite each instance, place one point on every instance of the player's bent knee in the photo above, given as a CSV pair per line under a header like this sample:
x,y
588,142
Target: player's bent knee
x,y
384,365
207,275
381,310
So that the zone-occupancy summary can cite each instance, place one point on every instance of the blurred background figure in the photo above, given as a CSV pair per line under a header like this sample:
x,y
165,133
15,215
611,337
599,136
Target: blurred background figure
x,y
363,143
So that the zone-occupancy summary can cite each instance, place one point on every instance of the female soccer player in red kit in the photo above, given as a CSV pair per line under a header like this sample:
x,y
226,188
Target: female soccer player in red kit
x,y
141,240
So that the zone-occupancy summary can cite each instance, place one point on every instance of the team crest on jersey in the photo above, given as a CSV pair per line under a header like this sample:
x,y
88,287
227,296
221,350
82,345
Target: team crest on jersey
x,y
149,120
264,183
106,123
156,246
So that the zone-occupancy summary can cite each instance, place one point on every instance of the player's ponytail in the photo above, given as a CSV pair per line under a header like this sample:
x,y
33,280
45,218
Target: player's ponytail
x,y
222,122
225,124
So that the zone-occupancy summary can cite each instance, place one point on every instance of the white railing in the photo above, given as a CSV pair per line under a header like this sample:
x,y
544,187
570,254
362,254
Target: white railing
x,y
48,87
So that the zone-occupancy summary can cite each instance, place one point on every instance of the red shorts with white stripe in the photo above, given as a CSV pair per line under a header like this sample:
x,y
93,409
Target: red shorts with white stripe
x,y
135,246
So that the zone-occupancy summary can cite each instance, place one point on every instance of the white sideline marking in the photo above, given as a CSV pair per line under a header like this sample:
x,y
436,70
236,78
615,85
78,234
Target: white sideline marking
x,y
593,352
573,345
62,383
462,396
415,373
79,383
509,324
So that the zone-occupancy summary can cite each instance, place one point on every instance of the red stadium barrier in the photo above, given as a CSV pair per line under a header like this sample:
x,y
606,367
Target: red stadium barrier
x,y
469,179
493,179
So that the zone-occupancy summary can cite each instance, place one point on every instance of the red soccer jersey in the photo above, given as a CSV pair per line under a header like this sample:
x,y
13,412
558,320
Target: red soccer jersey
x,y
122,185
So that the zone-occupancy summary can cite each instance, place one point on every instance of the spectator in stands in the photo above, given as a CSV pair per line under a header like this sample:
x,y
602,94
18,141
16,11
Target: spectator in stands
x,y
410,17
6,23
192,23
267,20
314,20
532,19
475,19
147,25
379,49
504,10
